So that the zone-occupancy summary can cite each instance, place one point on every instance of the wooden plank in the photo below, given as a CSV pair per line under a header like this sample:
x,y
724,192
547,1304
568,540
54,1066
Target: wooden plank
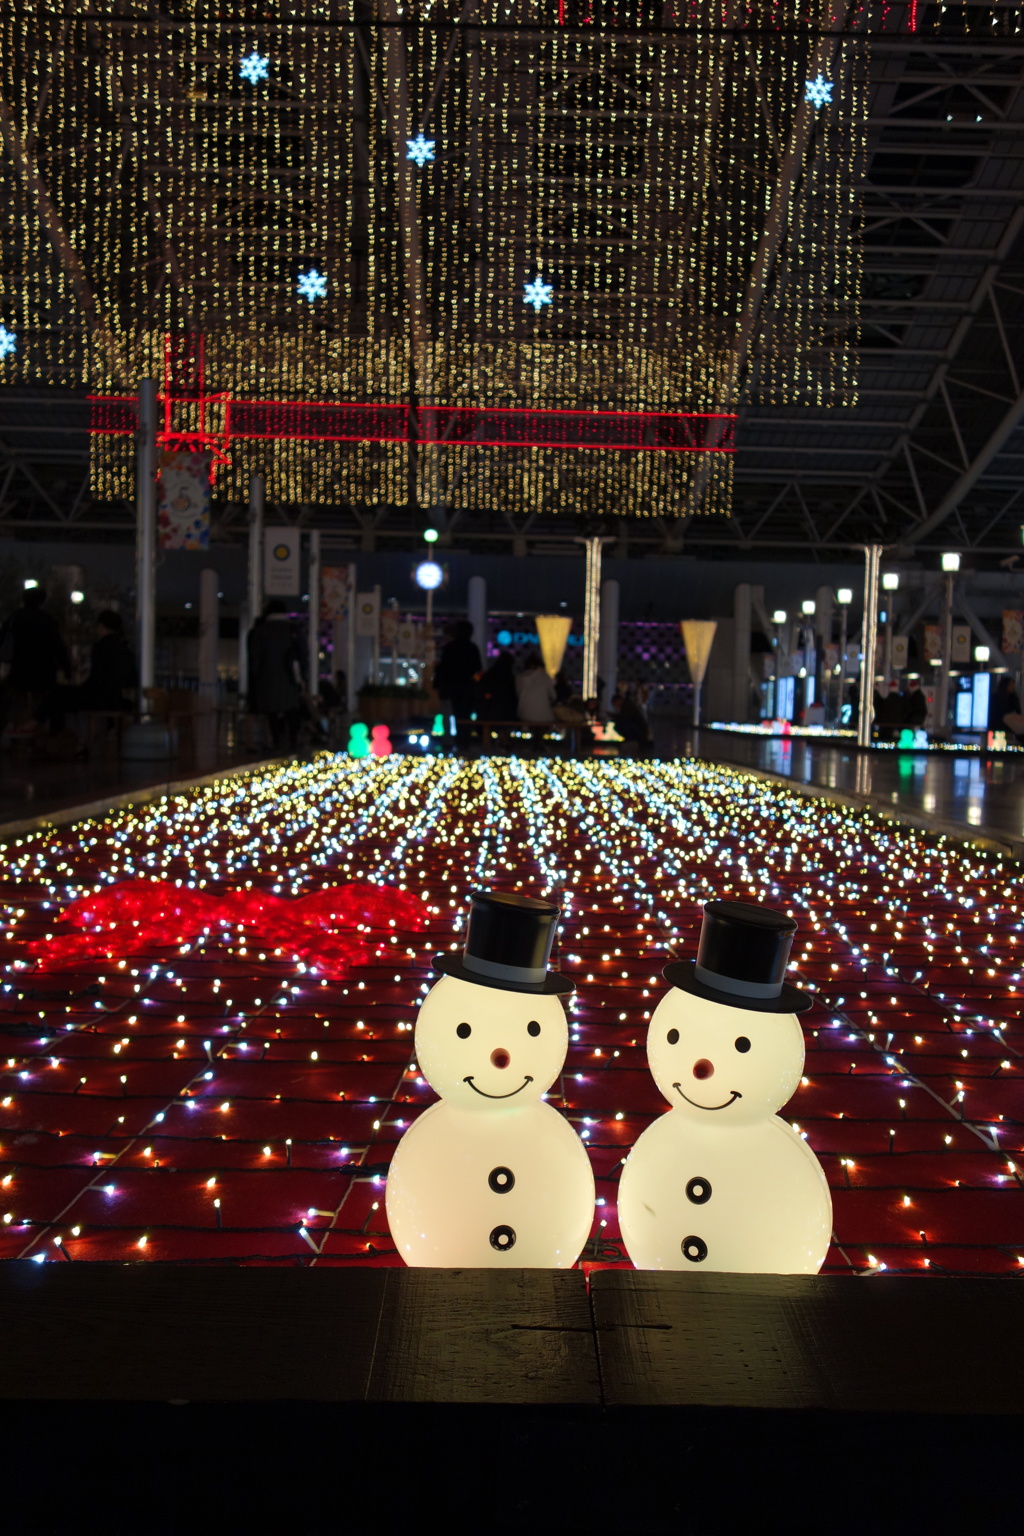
x,y
486,1336
786,1341
191,1334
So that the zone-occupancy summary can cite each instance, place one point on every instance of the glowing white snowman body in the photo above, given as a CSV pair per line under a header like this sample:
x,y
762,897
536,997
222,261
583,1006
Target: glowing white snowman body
x,y
490,1176
720,1180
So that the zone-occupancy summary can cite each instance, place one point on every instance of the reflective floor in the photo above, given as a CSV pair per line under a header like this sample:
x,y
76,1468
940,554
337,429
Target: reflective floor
x,y
983,794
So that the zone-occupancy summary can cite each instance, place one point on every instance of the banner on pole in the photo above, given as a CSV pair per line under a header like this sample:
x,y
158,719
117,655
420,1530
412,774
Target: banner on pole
x,y
281,550
1013,631
183,500
961,651
368,615
335,592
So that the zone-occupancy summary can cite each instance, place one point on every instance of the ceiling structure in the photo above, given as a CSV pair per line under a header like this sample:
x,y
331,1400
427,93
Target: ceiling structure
x,y
904,267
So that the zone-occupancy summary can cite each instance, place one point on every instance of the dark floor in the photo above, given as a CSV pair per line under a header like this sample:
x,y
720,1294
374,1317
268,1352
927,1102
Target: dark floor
x,y
984,795
29,789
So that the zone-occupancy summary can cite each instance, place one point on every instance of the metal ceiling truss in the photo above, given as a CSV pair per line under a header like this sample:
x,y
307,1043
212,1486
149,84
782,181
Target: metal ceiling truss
x,y
931,456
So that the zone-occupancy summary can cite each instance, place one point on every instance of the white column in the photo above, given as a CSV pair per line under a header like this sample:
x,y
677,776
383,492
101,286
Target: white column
x,y
869,641
608,642
591,613
145,537
476,611
314,613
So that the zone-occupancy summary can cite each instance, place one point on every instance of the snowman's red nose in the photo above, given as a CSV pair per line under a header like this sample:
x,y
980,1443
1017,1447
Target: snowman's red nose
x,y
703,1068
500,1058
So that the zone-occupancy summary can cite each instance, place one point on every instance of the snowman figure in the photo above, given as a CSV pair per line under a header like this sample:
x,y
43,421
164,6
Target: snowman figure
x,y
720,1180
491,1176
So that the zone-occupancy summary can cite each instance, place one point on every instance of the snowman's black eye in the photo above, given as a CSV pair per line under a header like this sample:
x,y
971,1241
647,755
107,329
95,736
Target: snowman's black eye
x,y
533,1028
463,1031
673,1037
743,1044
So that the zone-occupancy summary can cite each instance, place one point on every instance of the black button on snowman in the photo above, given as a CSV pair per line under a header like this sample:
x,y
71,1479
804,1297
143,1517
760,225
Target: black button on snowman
x,y
727,1051
491,1175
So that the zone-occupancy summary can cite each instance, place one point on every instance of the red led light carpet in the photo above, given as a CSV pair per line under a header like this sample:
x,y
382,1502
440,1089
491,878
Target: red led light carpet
x,y
215,1067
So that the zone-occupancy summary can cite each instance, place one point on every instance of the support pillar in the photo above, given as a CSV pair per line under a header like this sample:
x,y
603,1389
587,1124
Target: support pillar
x,y
145,539
608,643
940,707
742,620
869,642
313,670
476,609
254,580
591,612
209,638
209,643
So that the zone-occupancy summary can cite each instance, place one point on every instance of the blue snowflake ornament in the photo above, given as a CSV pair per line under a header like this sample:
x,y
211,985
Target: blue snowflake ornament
x,y
254,68
419,150
818,92
8,342
312,285
538,293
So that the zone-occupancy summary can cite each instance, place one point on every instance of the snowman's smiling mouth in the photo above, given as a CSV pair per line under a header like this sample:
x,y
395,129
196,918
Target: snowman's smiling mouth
x,y
511,1095
731,1100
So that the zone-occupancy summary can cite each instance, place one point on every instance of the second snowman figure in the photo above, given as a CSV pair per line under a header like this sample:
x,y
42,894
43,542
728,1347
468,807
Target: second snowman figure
x,y
491,1175
721,1180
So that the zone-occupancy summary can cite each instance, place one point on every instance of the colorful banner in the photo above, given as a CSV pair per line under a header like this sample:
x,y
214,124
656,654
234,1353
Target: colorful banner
x,y
183,500
1013,631
335,592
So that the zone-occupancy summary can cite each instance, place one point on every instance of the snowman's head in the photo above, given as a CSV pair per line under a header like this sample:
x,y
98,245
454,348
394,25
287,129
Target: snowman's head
x,y
723,1066
486,1048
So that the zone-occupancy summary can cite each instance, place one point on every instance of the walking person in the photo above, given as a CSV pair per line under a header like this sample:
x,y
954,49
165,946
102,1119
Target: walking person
x,y
33,658
275,673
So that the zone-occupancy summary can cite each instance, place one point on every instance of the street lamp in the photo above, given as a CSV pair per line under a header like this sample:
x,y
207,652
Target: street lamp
x,y
981,653
890,583
844,597
950,566
810,668
779,618
429,576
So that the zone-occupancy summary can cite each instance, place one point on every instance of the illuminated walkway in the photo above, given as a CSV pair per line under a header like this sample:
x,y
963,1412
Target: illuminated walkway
x,y
178,1087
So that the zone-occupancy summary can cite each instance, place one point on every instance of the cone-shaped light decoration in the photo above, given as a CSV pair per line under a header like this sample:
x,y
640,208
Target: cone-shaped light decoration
x,y
698,636
553,632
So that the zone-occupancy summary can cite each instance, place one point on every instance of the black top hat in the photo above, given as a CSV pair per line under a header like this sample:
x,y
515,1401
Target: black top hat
x,y
741,959
508,944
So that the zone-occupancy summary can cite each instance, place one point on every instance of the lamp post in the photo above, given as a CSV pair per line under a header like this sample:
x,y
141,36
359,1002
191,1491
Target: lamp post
x,y
940,709
809,608
844,597
779,618
890,583
872,560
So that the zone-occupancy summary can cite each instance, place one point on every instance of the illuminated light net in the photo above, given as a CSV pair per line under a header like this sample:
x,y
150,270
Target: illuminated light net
x,y
214,1100
637,167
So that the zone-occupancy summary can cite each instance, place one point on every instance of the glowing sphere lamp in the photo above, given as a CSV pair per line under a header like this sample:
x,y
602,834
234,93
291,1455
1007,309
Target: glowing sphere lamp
x,y
491,1176
720,1181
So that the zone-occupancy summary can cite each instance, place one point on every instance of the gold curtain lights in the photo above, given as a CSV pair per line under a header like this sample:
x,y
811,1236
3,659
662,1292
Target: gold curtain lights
x,y
664,181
